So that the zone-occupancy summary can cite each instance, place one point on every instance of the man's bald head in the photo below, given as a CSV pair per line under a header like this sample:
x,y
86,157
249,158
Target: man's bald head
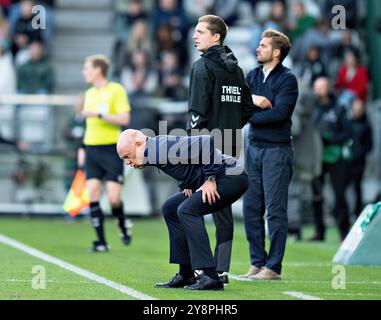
x,y
125,141
130,147
321,86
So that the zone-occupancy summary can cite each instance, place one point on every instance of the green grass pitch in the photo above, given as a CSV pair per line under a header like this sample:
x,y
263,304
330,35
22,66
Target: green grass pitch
x,y
307,266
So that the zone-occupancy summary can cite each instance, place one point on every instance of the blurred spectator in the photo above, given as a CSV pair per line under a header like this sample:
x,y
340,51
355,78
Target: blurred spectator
x,y
330,120
302,21
227,10
276,21
36,75
15,12
362,145
307,141
139,41
4,28
307,161
127,13
197,8
24,33
165,42
345,43
169,17
7,79
352,80
170,79
73,134
4,6
48,32
277,18
312,69
8,75
138,73
314,37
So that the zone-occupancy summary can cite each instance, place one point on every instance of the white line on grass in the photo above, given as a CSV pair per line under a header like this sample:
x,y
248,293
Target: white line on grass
x,y
301,295
238,278
348,294
82,272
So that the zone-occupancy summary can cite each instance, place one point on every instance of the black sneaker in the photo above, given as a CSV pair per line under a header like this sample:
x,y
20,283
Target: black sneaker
x,y
100,247
224,277
178,281
206,283
126,239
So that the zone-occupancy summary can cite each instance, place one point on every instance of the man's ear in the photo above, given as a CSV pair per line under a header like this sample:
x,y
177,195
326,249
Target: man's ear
x,y
217,37
276,53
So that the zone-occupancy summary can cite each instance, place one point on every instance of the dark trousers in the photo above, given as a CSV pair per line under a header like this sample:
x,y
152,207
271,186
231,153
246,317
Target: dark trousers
x,y
338,177
356,176
270,171
224,223
223,220
189,241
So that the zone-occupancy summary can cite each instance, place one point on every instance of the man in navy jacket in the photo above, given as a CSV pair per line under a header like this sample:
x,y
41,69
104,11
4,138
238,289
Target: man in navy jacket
x,y
206,176
269,155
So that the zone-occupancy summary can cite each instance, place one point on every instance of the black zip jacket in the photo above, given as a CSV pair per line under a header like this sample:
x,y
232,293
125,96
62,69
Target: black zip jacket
x,y
219,96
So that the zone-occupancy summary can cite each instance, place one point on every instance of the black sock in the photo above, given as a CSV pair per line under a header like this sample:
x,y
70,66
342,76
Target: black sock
x,y
119,214
211,273
97,220
186,271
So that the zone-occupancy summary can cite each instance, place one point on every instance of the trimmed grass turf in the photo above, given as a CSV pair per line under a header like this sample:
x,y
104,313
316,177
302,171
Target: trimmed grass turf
x,y
307,266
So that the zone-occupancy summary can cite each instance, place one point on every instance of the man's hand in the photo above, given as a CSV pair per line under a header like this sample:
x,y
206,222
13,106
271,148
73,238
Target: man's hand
x,y
89,114
261,102
187,192
209,191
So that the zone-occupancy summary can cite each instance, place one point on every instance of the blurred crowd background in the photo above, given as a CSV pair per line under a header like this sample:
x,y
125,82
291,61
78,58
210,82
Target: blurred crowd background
x,y
150,45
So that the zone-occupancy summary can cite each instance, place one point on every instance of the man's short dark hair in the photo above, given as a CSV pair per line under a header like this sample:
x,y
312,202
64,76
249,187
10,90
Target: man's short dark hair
x,y
100,61
279,41
216,25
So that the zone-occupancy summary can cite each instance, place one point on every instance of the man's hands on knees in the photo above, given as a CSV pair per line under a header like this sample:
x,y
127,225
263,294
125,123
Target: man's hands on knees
x,y
209,192
187,192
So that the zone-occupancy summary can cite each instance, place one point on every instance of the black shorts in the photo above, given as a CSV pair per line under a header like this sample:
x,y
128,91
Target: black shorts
x,y
103,162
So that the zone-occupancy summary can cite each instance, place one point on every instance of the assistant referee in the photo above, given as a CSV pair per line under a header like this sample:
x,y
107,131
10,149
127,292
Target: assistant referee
x,y
106,108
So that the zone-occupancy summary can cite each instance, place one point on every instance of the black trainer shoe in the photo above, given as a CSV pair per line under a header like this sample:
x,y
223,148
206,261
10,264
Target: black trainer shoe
x,y
126,239
178,281
126,236
224,277
206,283
99,247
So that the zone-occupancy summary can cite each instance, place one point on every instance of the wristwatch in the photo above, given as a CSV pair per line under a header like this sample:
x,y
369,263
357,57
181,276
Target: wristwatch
x,y
211,179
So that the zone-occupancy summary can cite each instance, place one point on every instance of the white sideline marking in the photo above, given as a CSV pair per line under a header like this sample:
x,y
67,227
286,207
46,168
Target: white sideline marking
x,y
349,294
236,277
301,295
82,272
